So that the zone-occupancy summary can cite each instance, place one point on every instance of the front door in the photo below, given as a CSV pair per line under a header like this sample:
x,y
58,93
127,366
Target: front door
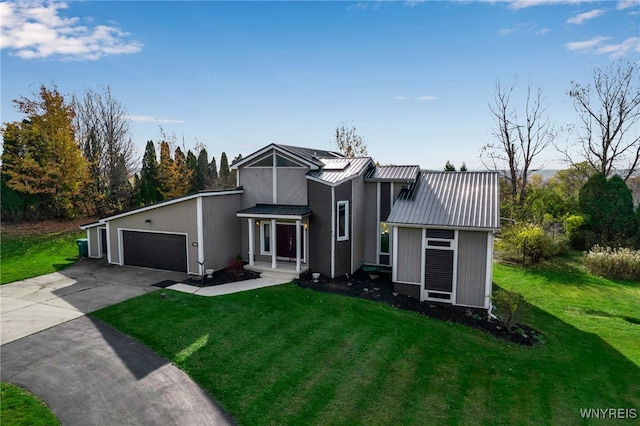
x,y
286,241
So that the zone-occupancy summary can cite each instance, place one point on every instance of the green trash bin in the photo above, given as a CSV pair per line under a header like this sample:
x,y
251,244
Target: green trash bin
x,y
83,247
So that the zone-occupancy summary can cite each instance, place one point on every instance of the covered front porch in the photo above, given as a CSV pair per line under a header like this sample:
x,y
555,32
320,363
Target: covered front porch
x,y
278,239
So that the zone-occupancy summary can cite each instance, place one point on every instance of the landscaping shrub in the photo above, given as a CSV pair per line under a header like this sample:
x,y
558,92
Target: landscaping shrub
x,y
528,240
621,263
508,306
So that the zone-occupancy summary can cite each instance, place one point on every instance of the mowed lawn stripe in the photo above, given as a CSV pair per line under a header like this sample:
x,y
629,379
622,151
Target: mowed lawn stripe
x,y
285,355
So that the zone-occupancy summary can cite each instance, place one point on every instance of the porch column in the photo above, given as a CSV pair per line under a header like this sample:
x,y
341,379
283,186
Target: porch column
x,y
298,241
251,240
274,248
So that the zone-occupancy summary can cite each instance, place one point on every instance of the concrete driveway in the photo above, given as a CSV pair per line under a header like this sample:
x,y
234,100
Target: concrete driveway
x,y
36,304
85,370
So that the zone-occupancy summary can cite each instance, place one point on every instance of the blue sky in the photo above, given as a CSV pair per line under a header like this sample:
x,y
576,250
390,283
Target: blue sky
x,y
415,78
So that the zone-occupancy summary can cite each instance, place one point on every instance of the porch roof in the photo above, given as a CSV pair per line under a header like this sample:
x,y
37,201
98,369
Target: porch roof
x,y
275,211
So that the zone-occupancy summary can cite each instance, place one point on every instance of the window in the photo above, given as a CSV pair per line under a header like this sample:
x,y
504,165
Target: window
x,y
285,162
263,162
265,238
384,238
343,220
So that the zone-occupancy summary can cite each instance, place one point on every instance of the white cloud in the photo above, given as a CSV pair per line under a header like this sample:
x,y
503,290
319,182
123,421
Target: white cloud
x,y
417,98
582,17
521,4
586,44
35,29
598,46
149,119
626,4
630,45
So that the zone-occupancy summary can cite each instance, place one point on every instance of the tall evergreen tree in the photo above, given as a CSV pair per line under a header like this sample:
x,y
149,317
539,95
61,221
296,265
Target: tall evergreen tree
x,y
166,173
182,175
224,176
149,183
195,184
213,174
608,205
203,176
449,167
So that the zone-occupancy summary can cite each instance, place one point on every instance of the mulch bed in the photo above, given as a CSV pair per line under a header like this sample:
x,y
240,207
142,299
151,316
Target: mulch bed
x,y
378,286
223,276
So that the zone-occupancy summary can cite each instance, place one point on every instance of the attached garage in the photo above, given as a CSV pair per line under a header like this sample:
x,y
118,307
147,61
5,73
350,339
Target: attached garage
x,y
155,250
186,234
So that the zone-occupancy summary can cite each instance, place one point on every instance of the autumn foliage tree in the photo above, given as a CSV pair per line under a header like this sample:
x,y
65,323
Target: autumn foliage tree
x,y
41,158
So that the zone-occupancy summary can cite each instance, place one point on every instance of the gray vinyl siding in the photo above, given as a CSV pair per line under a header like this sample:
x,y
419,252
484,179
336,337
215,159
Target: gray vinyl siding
x,y
320,228
174,218
343,248
292,186
359,213
221,229
409,267
472,268
370,222
257,184
93,235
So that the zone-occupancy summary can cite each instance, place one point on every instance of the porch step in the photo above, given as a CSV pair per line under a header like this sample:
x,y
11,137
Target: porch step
x,y
284,276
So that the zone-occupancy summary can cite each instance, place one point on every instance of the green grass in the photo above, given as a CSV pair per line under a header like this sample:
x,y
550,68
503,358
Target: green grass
x,y
609,309
20,407
284,355
27,257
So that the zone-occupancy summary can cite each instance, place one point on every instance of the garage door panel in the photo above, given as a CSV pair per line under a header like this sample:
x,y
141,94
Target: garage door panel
x,y
155,250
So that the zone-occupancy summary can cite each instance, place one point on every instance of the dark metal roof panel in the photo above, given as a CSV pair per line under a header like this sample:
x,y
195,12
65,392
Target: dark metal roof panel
x,y
309,154
451,199
355,167
277,210
393,173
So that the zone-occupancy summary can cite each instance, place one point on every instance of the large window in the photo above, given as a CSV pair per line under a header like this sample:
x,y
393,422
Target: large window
x,y
343,220
265,238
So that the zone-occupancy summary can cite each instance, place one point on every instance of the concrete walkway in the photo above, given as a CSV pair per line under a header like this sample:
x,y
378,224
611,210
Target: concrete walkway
x,y
85,370
235,287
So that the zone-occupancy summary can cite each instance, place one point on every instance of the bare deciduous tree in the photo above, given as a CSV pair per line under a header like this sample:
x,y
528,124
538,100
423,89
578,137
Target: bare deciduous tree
x,y
102,130
608,134
349,142
520,140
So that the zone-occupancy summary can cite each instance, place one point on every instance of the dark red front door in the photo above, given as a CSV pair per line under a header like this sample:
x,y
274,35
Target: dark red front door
x,y
286,241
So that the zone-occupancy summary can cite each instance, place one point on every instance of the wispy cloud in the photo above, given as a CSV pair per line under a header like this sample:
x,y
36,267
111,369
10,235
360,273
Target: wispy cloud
x,y
521,4
586,44
599,46
630,45
523,27
582,17
416,98
626,4
149,119
36,29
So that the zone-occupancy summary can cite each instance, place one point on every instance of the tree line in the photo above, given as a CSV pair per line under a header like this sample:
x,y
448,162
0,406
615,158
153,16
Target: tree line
x,y
76,158
592,199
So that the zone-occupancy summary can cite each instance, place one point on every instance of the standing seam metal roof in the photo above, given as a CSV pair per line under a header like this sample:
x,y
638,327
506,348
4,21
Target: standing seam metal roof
x,y
393,173
450,199
356,165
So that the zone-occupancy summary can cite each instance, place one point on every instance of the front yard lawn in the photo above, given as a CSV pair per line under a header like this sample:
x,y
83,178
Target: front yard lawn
x,y
285,355
32,255
21,407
